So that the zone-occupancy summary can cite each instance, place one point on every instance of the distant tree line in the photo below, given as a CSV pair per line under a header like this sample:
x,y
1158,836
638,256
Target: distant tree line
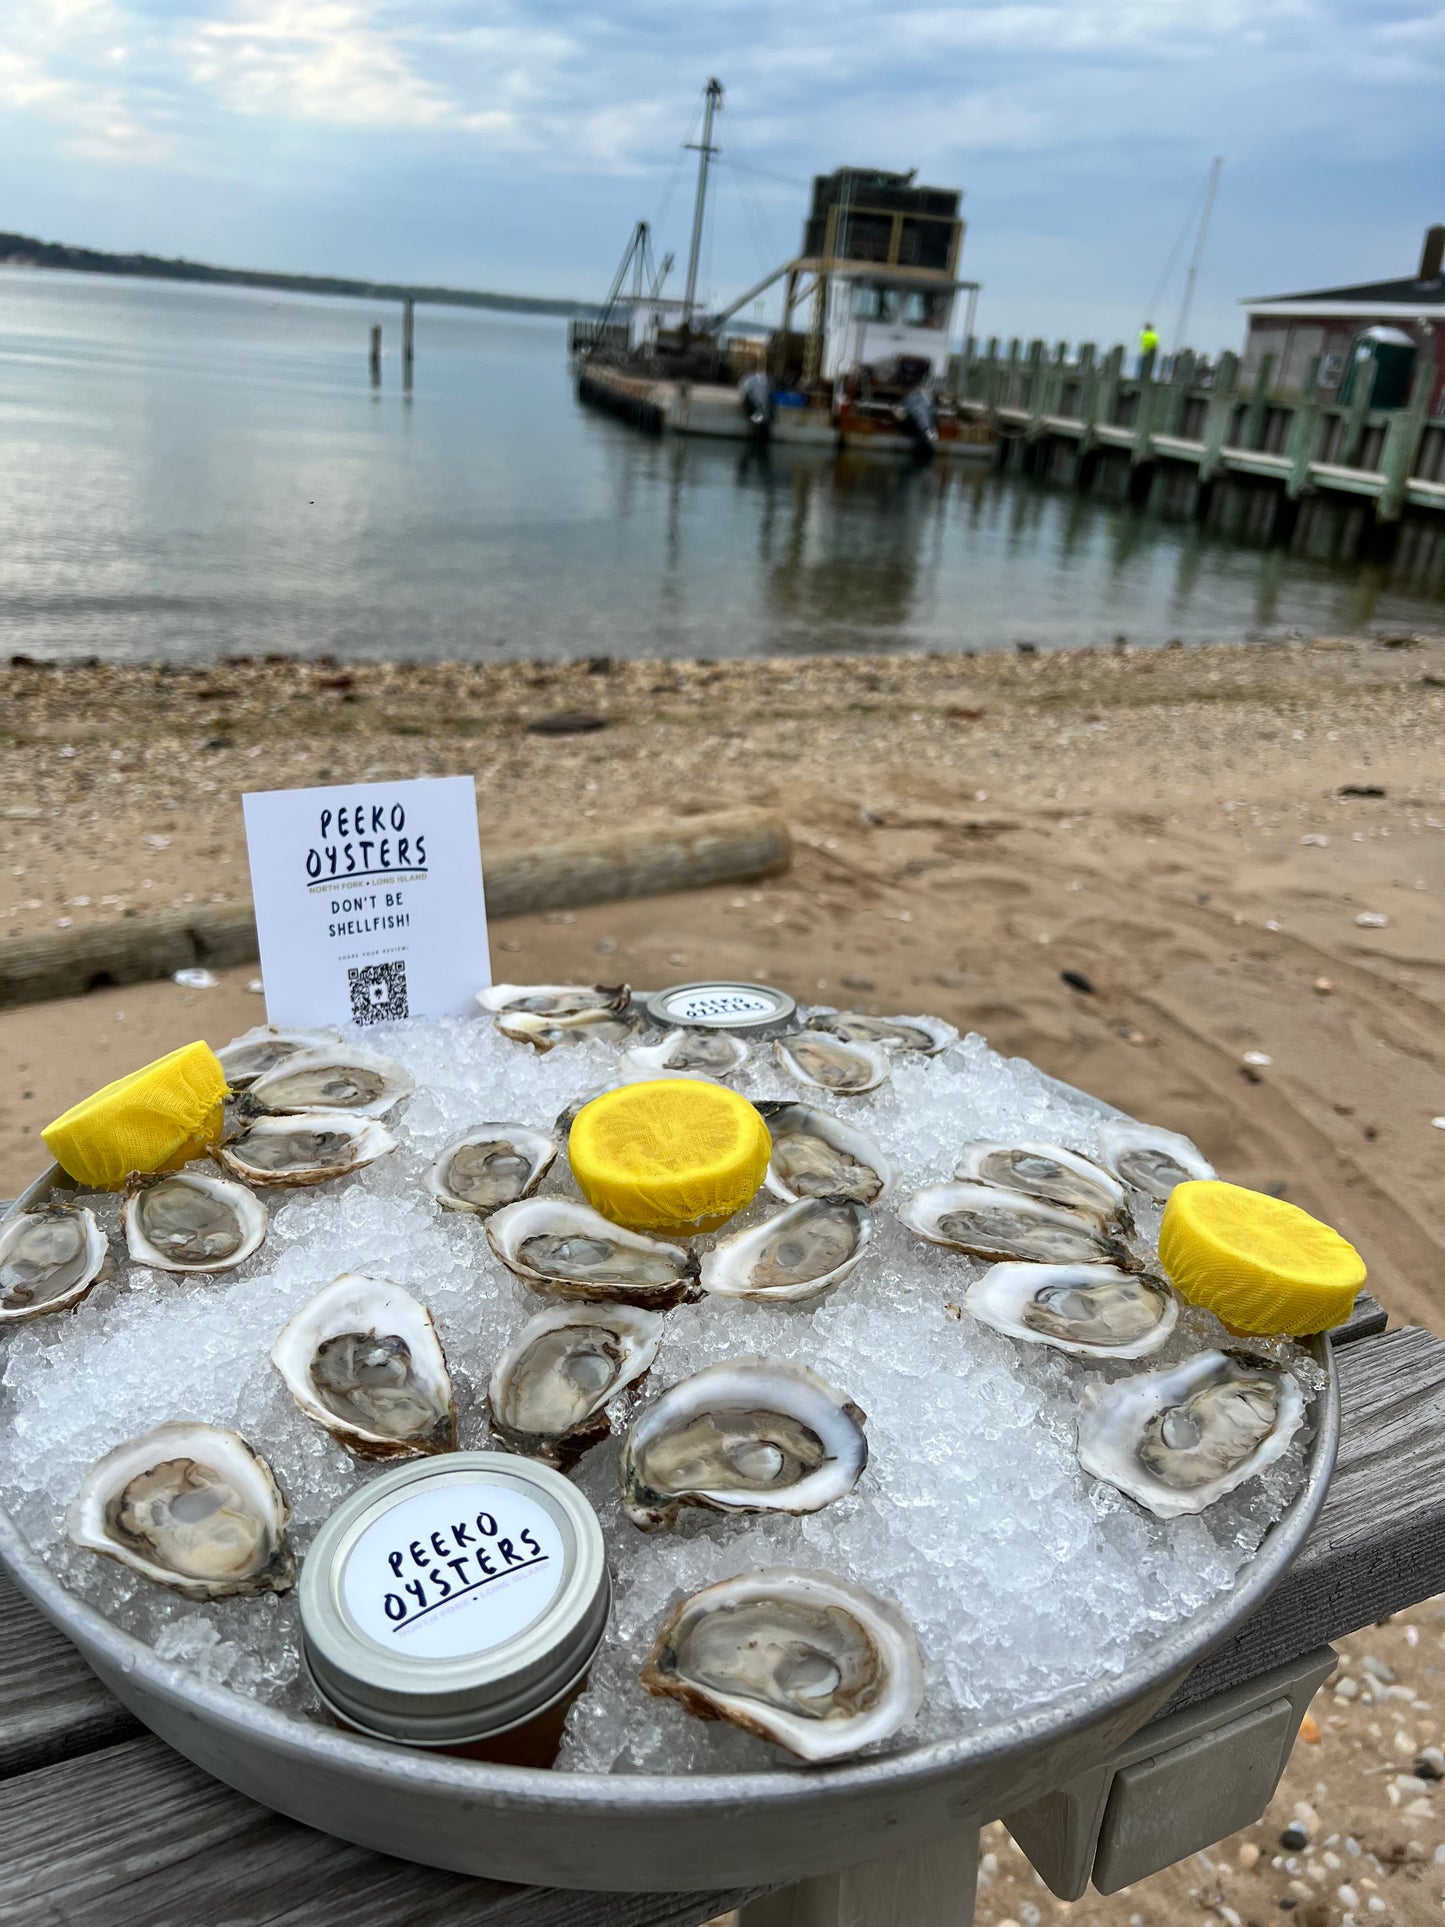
x,y
24,250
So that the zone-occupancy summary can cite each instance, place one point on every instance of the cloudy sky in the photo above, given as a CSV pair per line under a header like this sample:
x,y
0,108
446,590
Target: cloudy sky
x,y
511,143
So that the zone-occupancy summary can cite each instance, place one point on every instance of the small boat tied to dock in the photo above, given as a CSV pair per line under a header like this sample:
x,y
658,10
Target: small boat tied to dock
x,y
860,359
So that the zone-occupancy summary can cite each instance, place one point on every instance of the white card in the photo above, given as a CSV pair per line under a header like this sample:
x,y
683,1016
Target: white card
x,y
369,903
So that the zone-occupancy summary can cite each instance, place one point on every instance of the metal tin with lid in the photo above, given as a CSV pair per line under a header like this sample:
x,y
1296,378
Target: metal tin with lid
x,y
454,1599
749,1010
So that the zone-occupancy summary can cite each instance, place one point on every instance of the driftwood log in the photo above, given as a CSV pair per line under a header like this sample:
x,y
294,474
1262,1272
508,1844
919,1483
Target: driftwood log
x,y
729,846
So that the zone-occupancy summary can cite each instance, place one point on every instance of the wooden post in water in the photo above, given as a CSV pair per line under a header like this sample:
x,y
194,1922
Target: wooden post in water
x,y
1181,380
1402,441
376,356
1141,453
1302,432
1254,420
408,334
1222,402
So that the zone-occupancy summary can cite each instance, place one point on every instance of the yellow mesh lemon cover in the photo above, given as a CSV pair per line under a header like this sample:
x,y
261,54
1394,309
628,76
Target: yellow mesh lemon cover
x,y
155,1119
1258,1263
674,1156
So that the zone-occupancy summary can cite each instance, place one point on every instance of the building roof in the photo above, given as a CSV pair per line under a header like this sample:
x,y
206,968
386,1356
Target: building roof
x,y
1403,296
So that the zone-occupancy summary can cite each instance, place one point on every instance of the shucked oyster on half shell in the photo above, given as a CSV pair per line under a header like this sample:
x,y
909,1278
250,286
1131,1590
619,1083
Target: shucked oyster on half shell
x,y
333,1077
491,1165
550,1387
303,1147
716,1053
989,1221
1178,1439
819,1156
255,1052
555,1000
49,1259
803,1659
1151,1160
927,1035
554,1245
190,1221
1089,1311
1048,1171
544,1031
749,1435
800,1252
831,1063
363,1359
191,1507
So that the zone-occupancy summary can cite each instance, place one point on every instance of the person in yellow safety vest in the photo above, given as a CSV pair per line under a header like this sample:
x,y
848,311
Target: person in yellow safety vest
x,y
1148,343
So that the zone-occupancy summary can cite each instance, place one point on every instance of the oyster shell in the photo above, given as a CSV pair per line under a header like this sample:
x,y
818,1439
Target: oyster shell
x,y
927,1035
804,1659
1148,1158
816,1155
554,1245
492,1165
190,1221
716,1053
750,1435
550,1387
989,1221
544,1032
555,1000
1089,1311
303,1147
191,1507
334,1077
831,1063
363,1360
255,1052
1047,1171
800,1252
1178,1439
49,1259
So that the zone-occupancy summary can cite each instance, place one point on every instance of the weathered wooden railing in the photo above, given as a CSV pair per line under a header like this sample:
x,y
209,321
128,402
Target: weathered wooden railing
x,y
1302,441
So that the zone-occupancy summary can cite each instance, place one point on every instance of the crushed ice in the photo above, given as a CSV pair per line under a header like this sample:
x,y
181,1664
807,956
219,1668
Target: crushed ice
x,y
971,1510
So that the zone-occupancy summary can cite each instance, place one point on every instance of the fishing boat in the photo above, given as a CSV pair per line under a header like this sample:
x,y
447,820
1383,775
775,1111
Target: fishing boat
x,y
860,361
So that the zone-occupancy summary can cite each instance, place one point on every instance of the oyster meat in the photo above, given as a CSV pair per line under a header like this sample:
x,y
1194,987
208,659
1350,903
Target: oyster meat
x,y
1089,1311
803,1659
831,1063
555,1000
1047,1171
554,1245
363,1360
189,1221
255,1052
334,1077
988,1221
550,1387
1178,1439
303,1147
927,1035
492,1165
750,1435
191,1507
545,1032
49,1259
1151,1160
800,1252
818,1156
716,1053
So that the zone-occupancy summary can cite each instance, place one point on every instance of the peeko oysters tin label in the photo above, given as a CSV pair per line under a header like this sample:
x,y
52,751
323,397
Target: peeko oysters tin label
x,y
455,1570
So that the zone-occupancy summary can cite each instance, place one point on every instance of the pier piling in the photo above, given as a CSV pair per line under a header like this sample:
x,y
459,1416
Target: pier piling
x,y
408,340
374,358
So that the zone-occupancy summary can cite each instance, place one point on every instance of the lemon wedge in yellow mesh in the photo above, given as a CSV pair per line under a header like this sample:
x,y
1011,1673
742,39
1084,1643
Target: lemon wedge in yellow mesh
x,y
154,1119
1258,1263
674,1156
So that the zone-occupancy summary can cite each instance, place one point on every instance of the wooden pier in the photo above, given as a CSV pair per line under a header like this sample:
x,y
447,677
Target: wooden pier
x,y
1299,444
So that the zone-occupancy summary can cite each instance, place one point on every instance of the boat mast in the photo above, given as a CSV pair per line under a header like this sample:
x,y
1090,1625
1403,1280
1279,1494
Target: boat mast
x,y
1198,256
705,153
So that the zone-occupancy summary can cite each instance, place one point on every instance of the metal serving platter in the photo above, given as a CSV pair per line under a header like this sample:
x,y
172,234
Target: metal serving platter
x,y
656,1832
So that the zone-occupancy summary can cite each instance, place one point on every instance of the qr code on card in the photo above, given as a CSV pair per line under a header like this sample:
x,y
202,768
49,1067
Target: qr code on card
x,y
378,993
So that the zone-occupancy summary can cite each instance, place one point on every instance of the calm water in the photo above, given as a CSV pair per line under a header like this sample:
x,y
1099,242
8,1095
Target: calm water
x,y
192,472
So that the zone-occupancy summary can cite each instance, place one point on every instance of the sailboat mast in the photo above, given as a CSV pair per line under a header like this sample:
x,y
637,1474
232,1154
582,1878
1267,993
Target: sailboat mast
x,y
705,152
1198,255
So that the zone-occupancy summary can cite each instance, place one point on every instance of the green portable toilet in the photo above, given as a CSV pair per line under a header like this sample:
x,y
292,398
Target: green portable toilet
x,y
1385,357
